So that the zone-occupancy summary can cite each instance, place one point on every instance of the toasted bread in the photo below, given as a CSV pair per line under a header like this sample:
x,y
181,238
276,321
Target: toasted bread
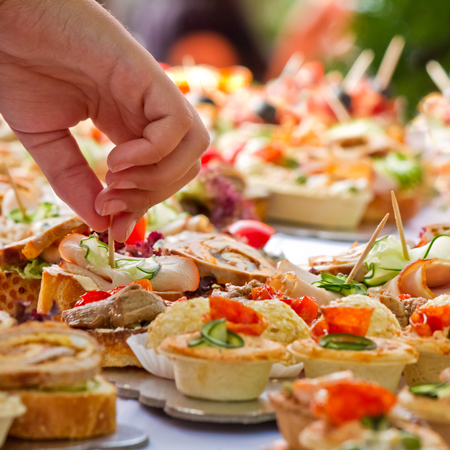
x,y
60,287
116,351
67,415
14,288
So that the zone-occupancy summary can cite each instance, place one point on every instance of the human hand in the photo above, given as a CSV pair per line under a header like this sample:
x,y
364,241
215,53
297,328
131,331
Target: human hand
x,y
63,61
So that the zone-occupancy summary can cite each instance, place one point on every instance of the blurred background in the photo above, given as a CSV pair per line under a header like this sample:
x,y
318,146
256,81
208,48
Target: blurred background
x,y
263,34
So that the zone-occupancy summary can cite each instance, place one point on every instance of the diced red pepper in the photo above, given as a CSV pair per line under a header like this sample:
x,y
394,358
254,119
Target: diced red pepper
x,y
426,320
92,296
266,292
306,307
145,284
404,296
181,299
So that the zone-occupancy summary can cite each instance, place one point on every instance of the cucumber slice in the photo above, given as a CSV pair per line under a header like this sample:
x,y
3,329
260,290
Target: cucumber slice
x,y
346,341
234,339
199,342
216,333
219,331
439,247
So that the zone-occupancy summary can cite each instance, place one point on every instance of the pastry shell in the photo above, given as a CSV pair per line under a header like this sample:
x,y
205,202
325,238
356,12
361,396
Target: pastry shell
x,y
222,375
434,357
384,365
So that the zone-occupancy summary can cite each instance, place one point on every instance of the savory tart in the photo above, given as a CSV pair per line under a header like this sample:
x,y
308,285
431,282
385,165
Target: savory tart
x,y
430,402
353,415
428,333
54,370
227,360
338,343
292,404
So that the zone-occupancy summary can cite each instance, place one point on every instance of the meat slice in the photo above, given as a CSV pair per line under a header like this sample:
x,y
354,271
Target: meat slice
x,y
130,306
239,293
134,305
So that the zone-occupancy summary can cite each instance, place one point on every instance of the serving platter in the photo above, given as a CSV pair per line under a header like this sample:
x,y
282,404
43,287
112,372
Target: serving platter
x,y
161,393
125,438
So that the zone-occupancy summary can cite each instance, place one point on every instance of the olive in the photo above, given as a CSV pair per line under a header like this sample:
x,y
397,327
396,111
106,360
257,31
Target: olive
x,y
196,99
345,99
266,111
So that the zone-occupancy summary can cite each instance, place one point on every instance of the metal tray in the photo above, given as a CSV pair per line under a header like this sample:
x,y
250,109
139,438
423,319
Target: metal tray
x,y
161,393
125,437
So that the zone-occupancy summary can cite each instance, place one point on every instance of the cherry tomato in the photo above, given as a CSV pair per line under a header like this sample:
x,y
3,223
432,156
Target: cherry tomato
x,y
210,155
138,233
92,296
254,233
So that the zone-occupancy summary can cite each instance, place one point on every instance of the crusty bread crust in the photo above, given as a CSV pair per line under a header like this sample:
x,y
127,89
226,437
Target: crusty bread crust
x,y
67,415
14,288
64,289
116,351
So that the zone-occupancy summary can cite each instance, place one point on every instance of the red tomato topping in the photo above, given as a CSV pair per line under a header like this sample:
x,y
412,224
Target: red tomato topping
x,y
352,400
266,292
252,232
306,307
92,296
404,296
240,318
181,299
138,233
272,153
342,319
428,319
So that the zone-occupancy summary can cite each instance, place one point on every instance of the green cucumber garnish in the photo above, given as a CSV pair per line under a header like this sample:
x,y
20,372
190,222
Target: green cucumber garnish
x,y
346,341
375,423
337,284
439,390
215,334
410,441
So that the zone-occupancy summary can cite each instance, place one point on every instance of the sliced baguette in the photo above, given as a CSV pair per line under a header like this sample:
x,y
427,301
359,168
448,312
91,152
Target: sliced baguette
x,y
63,288
67,415
116,351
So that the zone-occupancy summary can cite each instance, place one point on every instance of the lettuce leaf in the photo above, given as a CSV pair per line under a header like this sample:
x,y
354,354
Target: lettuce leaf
x,y
32,270
46,210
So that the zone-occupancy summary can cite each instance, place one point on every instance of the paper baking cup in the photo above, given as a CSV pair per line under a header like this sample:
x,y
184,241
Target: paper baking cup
x,y
280,371
159,365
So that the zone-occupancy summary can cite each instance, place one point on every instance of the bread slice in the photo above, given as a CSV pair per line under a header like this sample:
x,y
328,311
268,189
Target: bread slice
x,y
60,287
14,288
116,351
67,415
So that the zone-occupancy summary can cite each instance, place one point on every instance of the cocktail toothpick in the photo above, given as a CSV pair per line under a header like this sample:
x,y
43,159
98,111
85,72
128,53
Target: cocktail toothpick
x,y
293,65
358,70
111,246
398,221
339,110
369,245
16,191
390,61
438,75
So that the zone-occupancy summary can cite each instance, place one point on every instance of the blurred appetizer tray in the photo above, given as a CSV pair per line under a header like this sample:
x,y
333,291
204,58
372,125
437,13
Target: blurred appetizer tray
x,y
361,234
161,393
125,437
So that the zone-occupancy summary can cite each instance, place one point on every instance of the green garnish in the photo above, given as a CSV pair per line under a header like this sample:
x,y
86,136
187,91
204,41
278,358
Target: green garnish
x,y
301,179
32,270
46,210
290,163
337,284
215,334
410,441
377,423
406,171
439,390
346,341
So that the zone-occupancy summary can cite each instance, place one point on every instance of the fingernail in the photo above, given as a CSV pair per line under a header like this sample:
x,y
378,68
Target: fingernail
x,y
113,207
123,184
119,167
130,229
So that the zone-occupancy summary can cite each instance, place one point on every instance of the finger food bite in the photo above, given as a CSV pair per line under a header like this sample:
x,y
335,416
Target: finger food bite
x,y
428,333
227,360
54,370
338,343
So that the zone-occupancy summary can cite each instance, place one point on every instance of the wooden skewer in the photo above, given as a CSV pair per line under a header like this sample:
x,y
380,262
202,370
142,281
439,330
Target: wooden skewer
x,y
293,65
16,191
112,262
438,75
369,245
339,110
390,61
357,71
398,221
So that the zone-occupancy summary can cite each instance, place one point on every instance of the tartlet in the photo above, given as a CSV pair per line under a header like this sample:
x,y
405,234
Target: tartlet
x,y
238,374
292,405
383,365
